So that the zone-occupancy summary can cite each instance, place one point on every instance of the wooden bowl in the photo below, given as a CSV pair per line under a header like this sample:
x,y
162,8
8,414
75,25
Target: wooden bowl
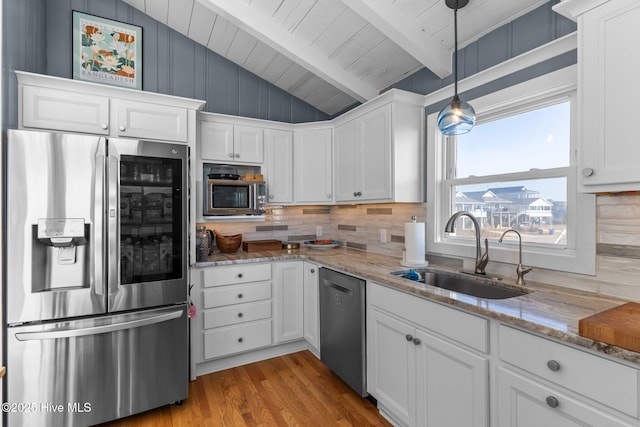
x,y
228,244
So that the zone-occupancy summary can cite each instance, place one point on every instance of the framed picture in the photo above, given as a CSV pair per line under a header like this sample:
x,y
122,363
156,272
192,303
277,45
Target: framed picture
x,y
106,51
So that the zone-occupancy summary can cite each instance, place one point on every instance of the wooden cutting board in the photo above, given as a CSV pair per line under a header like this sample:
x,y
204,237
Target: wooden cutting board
x,y
619,326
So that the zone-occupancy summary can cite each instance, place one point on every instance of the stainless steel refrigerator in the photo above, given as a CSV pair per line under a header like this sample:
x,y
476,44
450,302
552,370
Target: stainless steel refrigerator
x,y
96,277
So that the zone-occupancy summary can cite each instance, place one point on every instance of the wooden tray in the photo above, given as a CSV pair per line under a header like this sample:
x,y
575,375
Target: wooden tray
x,y
619,326
261,245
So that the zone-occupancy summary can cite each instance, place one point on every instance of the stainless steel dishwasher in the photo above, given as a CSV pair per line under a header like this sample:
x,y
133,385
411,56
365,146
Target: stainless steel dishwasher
x,y
342,327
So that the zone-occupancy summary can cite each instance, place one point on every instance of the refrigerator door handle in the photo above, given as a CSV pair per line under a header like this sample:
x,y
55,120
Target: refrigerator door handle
x,y
80,332
99,227
113,214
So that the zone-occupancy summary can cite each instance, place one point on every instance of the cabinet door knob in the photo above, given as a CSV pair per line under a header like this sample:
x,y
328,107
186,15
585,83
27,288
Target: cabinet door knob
x,y
587,172
240,295
240,339
409,337
328,196
122,128
359,193
553,365
313,270
231,155
355,194
239,275
552,401
240,314
104,126
237,155
416,341
271,196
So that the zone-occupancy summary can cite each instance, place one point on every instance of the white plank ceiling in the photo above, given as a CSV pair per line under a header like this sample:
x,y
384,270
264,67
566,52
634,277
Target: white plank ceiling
x,y
332,53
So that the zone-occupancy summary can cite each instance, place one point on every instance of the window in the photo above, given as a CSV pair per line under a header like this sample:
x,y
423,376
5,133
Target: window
x,y
515,169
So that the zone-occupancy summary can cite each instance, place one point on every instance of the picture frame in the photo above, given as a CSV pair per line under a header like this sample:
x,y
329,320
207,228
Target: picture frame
x,y
106,51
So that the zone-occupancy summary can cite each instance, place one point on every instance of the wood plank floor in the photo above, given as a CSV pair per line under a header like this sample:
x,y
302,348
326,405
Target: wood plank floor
x,y
292,390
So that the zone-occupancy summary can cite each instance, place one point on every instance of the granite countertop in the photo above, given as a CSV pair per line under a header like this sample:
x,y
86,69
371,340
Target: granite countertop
x,y
549,310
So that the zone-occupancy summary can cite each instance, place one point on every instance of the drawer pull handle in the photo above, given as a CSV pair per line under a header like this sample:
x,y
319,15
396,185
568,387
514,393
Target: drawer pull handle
x,y
240,340
240,295
552,401
240,275
240,315
416,341
553,365
409,338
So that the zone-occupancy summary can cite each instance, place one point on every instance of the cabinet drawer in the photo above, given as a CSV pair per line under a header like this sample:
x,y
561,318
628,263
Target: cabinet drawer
x,y
239,313
234,339
236,294
605,381
454,324
230,275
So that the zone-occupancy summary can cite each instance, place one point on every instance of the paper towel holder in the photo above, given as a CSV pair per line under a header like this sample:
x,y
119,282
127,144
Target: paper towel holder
x,y
404,261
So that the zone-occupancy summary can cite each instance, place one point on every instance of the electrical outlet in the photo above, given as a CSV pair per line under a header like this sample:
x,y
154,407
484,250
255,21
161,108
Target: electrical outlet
x,y
383,235
318,230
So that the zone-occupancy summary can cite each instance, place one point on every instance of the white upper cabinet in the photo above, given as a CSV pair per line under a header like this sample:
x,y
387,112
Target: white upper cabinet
x,y
230,143
45,108
609,152
378,152
144,120
363,158
279,165
53,103
248,144
312,150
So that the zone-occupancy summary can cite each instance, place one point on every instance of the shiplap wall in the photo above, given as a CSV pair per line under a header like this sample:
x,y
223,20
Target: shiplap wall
x,y
39,32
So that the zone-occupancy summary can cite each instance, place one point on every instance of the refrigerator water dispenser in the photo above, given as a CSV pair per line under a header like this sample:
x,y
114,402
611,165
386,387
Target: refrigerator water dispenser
x,y
60,255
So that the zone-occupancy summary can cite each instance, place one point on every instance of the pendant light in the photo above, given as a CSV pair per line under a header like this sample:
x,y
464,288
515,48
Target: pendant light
x,y
457,117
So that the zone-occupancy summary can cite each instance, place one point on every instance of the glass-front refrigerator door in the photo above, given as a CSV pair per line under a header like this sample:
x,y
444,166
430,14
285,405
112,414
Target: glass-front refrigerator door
x,y
147,224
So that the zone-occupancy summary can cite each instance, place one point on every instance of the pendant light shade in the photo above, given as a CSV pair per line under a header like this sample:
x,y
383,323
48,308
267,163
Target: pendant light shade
x,y
457,117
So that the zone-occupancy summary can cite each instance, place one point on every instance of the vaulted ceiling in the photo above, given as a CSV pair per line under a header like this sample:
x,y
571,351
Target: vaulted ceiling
x,y
333,53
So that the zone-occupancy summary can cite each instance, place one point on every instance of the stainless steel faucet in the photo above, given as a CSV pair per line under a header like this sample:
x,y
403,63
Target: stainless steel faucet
x,y
520,269
481,258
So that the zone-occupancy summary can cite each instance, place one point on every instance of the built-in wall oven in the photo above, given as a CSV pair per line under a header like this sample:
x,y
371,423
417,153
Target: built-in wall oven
x,y
343,327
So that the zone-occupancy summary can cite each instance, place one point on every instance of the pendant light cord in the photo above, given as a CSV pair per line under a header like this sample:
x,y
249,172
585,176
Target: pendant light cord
x,y
455,56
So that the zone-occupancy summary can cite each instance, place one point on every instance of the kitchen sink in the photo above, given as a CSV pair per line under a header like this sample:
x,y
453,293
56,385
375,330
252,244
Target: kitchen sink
x,y
481,287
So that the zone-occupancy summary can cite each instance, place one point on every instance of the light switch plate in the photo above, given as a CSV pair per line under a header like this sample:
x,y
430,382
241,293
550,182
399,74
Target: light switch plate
x,y
318,230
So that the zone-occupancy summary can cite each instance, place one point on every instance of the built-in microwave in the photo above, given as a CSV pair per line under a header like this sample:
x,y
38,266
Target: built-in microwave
x,y
234,197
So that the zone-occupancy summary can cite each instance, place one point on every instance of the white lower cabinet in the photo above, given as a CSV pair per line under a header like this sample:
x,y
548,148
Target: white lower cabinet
x,y
542,382
288,290
311,311
524,402
418,377
236,309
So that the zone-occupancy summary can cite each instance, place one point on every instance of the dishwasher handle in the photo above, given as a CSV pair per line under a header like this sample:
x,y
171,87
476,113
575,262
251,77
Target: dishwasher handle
x,y
338,288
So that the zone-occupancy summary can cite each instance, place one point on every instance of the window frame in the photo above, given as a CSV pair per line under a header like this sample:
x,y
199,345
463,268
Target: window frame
x,y
579,254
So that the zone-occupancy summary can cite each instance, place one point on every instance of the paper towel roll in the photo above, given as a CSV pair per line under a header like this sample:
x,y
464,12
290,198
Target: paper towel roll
x,y
414,244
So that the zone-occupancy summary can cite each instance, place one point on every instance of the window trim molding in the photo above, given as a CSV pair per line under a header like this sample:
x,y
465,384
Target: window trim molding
x,y
579,255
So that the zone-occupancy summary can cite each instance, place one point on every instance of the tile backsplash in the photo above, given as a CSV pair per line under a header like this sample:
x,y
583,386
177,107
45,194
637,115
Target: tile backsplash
x,y
617,237
357,225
